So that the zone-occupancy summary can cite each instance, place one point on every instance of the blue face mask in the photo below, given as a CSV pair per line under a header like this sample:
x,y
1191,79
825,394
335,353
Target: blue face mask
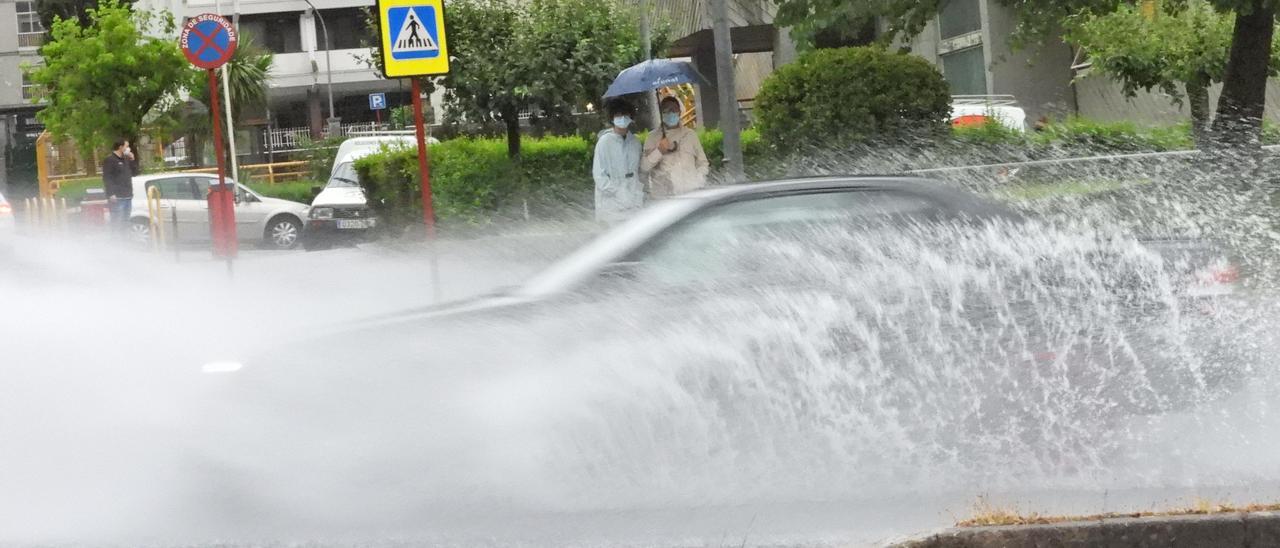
x,y
671,119
621,122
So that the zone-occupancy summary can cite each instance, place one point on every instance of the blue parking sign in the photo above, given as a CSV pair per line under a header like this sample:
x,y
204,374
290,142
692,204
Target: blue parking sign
x,y
377,101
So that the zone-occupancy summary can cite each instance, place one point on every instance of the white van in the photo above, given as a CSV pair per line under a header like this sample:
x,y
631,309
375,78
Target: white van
x,y
341,212
975,110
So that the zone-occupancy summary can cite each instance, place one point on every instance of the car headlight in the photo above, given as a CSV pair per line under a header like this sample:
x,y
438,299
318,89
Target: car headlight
x,y
322,213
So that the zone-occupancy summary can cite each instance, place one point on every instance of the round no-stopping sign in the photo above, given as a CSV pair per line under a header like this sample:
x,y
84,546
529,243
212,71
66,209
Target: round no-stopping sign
x,y
208,40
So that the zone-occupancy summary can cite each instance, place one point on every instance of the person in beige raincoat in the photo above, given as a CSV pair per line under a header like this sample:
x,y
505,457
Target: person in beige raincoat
x,y
673,156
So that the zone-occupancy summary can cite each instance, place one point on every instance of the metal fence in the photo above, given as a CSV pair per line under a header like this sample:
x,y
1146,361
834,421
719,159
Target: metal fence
x,y
292,139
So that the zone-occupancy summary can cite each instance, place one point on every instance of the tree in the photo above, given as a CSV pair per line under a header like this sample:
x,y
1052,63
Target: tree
x,y
838,97
102,79
549,55
1244,81
1174,49
1239,116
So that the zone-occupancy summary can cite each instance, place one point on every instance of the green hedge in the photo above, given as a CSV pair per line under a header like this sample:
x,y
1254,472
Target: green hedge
x,y
1114,136
1075,133
472,179
297,191
753,147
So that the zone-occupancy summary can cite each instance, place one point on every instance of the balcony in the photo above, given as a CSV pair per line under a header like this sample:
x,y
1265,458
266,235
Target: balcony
x,y
29,40
295,69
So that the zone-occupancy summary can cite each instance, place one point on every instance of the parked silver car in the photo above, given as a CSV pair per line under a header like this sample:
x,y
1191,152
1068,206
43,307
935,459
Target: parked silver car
x,y
185,211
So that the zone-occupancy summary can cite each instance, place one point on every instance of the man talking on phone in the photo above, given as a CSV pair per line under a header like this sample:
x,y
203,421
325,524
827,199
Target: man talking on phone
x,y
117,183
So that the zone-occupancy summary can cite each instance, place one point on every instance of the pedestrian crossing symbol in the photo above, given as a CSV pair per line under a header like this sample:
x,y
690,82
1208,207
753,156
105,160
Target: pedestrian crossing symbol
x,y
413,41
413,38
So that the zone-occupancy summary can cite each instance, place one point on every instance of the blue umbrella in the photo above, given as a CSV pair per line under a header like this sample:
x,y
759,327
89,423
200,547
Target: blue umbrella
x,y
654,74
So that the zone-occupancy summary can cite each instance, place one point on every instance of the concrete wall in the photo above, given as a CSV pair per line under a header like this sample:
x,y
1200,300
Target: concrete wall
x,y
1101,98
11,81
8,27
10,59
1040,78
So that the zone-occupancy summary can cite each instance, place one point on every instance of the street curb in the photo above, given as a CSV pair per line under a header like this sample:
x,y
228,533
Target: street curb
x,y
1232,530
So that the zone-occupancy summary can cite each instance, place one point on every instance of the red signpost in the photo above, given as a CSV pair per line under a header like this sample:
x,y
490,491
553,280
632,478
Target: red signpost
x,y
208,41
424,169
414,43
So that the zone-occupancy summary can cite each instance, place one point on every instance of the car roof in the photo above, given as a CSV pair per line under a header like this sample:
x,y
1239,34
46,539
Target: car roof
x,y
932,188
358,147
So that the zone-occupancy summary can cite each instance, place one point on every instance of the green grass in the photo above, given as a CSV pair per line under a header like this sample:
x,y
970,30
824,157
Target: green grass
x,y
1040,191
74,190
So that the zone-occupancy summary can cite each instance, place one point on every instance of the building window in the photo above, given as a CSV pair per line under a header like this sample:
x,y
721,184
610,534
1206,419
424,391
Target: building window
x,y
30,31
346,28
966,71
959,17
276,32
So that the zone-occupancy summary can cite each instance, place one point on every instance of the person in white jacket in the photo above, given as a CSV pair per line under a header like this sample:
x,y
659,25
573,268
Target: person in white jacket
x,y
616,167
673,155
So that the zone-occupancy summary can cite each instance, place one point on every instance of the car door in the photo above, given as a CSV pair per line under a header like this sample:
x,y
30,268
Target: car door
x,y
202,185
179,202
251,214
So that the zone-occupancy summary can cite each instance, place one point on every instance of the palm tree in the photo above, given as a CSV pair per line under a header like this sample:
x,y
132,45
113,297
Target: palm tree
x,y
249,71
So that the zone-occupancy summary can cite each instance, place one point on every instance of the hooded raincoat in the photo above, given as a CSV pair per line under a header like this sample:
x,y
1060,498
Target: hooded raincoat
x,y
616,170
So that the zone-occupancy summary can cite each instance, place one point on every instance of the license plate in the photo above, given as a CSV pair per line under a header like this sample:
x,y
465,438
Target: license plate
x,y
353,224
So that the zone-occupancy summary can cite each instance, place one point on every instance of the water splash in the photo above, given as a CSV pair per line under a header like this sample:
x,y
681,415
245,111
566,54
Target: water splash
x,y
817,370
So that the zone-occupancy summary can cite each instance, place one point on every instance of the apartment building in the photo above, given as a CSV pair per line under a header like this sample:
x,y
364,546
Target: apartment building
x,y
299,89
20,38
969,42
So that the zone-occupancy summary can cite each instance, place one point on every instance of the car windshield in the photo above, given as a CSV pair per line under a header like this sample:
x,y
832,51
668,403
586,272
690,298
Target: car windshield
x,y
609,247
726,241
675,241
344,176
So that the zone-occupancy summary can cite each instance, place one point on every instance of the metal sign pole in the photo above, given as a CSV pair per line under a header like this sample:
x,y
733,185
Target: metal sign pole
x,y
428,208
428,204
414,44
221,205
209,41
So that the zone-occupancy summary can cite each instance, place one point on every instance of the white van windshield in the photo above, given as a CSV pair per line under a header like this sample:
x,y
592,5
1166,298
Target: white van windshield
x,y
344,176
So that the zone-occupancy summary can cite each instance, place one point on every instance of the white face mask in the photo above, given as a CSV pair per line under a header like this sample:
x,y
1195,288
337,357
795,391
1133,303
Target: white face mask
x,y
622,122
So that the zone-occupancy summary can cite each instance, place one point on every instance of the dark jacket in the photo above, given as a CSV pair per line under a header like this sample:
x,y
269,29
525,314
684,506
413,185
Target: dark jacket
x,y
117,176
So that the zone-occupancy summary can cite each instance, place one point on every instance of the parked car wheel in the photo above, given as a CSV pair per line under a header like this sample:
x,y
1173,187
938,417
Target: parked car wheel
x,y
283,232
140,230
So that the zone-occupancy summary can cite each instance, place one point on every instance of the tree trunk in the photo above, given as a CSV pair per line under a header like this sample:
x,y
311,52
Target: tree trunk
x,y
511,117
1198,100
192,146
1244,89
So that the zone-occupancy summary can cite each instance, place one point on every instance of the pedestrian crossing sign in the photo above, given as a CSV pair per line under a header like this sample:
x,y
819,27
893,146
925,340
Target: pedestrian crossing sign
x,y
413,38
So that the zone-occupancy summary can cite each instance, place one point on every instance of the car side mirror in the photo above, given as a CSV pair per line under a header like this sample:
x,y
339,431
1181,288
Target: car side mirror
x,y
315,191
